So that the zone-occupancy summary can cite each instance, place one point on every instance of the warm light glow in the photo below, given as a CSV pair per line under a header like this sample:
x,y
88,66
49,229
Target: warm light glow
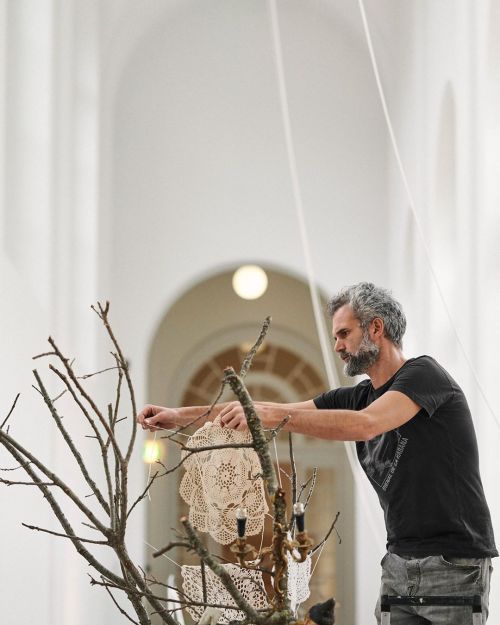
x,y
250,282
152,451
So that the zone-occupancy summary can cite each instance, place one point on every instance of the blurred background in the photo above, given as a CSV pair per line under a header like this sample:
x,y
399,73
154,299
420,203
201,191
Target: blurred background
x,y
143,160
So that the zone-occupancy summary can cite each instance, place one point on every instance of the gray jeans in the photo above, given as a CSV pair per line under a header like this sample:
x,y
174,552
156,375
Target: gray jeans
x,y
434,575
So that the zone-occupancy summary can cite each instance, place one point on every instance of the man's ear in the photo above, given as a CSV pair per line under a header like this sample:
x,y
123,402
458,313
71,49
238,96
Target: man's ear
x,y
377,327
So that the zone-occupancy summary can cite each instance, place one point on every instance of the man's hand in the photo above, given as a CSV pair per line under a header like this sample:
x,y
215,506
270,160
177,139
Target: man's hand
x,y
233,417
154,418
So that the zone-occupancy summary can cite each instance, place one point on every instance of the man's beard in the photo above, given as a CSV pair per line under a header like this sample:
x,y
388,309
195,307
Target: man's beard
x,y
363,359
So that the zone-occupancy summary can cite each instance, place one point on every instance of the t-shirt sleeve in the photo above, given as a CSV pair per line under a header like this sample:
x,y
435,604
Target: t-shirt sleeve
x,y
337,399
425,382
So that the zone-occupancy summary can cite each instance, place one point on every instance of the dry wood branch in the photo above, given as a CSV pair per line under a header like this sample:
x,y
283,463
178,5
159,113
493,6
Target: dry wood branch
x,y
102,312
256,429
13,483
83,393
22,455
171,545
61,517
311,488
79,538
189,451
220,571
182,602
332,527
132,580
304,485
120,609
271,434
10,411
91,375
98,436
247,362
68,440
294,477
44,355
144,492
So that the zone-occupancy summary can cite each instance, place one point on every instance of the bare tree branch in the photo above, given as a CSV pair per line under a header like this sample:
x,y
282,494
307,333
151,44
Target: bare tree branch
x,y
10,411
247,362
332,527
79,538
255,427
69,442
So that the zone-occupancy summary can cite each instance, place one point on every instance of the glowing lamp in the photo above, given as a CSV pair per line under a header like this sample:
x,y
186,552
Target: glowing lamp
x,y
250,282
152,451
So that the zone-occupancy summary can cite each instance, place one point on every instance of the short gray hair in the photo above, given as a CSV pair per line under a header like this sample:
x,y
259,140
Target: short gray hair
x,y
369,301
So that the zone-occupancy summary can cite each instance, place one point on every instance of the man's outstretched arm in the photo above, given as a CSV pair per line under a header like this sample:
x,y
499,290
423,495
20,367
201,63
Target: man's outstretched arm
x,y
154,417
388,412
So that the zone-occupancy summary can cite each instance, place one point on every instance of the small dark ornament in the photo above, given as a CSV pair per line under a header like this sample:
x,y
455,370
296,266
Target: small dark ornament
x,y
322,613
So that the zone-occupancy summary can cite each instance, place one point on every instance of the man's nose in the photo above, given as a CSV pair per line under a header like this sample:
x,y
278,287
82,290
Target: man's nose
x,y
339,345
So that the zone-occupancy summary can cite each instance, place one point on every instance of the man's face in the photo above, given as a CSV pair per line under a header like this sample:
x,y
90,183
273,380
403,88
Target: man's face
x,y
352,343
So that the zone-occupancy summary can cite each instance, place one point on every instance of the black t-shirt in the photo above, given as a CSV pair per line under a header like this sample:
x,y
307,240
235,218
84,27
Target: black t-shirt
x,y
426,472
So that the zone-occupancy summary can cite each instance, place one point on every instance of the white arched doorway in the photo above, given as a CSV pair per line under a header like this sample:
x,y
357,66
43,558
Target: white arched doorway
x,y
207,329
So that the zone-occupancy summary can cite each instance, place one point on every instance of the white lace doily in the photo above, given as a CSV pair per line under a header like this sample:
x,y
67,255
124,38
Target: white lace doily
x,y
299,574
249,583
218,482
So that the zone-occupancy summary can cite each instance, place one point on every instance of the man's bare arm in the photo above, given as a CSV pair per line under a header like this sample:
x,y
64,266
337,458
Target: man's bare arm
x,y
388,412
154,418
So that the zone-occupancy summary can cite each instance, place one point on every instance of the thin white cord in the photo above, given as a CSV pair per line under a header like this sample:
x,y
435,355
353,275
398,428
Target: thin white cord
x,y
317,559
333,379
415,214
163,555
277,462
149,472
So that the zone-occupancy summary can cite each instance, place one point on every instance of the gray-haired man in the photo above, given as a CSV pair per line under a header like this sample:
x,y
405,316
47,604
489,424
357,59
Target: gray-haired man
x,y
415,440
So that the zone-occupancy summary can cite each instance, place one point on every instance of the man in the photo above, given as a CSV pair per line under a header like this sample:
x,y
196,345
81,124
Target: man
x,y
416,442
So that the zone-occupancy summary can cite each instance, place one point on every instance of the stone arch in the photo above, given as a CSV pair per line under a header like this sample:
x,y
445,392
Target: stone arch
x,y
195,340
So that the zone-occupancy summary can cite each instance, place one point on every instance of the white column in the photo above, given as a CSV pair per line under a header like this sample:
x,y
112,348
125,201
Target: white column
x,y
27,79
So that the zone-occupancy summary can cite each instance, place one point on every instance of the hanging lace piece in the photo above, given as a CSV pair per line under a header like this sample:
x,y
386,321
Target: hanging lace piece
x,y
299,574
219,481
249,583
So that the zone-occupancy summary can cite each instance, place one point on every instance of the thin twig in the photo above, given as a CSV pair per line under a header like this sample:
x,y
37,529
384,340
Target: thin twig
x,y
311,488
332,527
144,493
247,362
71,445
13,483
303,486
91,375
79,538
294,476
10,411
171,545
44,354
120,609
275,431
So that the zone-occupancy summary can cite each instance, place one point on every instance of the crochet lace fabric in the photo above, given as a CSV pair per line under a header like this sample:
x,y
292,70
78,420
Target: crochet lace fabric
x,y
299,574
219,481
249,583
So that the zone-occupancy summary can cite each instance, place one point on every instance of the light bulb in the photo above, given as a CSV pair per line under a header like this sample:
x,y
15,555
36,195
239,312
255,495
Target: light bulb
x,y
250,282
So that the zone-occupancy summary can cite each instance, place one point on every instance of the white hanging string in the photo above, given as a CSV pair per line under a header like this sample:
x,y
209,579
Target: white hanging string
x,y
415,214
317,559
151,469
163,555
277,462
333,379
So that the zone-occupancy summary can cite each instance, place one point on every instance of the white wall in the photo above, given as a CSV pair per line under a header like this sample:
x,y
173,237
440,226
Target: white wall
x,y
198,175
142,150
450,74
